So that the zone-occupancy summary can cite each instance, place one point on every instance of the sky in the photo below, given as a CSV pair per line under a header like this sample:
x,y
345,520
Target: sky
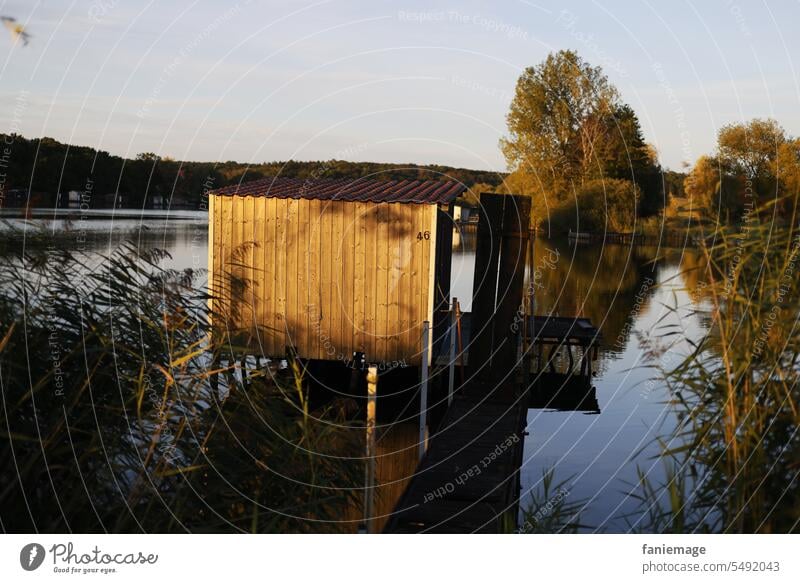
x,y
422,82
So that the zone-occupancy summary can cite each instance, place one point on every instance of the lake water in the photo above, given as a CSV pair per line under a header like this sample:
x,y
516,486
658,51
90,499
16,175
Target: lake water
x,y
630,293
623,290
630,296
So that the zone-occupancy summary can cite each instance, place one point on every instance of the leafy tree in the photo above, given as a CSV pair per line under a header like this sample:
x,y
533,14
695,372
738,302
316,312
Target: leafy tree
x,y
756,164
749,151
787,172
567,127
551,132
750,148
702,182
716,193
624,154
674,184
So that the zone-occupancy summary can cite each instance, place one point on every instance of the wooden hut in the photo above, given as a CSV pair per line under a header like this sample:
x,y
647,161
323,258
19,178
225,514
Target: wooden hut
x,y
335,266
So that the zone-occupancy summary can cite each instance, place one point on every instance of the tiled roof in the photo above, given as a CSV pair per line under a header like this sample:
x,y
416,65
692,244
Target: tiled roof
x,y
349,189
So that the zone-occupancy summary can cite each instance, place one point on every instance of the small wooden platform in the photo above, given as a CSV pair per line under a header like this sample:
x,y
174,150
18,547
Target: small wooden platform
x,y
561,330
678,238
544,330
607,237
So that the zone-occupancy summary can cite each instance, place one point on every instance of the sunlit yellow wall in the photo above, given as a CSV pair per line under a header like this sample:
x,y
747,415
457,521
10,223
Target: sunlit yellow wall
x,y
326,277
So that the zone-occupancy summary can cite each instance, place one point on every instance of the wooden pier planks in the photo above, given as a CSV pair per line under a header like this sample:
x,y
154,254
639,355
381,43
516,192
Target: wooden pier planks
x,y
469,479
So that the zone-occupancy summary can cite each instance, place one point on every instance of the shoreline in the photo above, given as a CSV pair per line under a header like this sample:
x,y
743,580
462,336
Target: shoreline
x,y
77,214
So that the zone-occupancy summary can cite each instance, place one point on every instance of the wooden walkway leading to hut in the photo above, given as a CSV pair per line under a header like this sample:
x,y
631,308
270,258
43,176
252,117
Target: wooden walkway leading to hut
x,y
468,480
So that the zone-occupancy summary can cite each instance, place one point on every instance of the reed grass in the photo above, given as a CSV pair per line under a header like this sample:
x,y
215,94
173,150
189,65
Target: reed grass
x,y
125,409
552,508
735,454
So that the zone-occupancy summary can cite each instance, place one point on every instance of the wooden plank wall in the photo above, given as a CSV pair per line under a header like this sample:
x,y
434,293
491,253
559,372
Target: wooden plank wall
x,y
327,277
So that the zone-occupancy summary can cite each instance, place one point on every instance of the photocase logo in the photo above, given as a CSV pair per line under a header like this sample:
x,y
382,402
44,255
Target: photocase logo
x,y
31,556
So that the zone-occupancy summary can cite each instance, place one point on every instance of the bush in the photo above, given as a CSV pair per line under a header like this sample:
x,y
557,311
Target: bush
x,y
606,205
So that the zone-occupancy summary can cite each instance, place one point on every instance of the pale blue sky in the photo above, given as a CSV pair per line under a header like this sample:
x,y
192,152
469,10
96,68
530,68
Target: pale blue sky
x,y
426,82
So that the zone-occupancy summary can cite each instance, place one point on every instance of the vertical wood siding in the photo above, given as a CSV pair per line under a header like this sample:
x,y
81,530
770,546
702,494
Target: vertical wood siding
x,y
326,277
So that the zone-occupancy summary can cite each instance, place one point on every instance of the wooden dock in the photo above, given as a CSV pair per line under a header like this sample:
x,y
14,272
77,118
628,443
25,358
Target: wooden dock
x,y
468,482
608,237
676,239
468,479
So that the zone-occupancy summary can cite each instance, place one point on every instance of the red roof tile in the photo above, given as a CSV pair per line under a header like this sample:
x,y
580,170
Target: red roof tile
x,y
349,189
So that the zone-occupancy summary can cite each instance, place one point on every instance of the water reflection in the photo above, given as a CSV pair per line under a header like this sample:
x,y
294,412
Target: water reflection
x,y
609,284
627,292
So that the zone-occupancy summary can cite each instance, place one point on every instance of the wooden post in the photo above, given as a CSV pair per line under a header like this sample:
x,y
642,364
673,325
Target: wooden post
x,y
539,345
356,366
484,294
510,282
500,260
452,364
527,318
530,333
423,392
369,490
589,362
460,343
442,267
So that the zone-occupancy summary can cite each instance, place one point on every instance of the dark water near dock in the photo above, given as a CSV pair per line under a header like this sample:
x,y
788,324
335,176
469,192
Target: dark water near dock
x,y
629,292
626,291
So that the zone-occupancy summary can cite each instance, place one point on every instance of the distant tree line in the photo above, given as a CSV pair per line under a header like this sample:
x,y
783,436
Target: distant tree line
x,y
37,170
755,165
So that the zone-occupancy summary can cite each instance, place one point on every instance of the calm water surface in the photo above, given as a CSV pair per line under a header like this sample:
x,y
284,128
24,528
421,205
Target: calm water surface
x,y
630,293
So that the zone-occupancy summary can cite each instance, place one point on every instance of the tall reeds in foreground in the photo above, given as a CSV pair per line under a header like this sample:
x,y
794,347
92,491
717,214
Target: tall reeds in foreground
x,y
734,458
122,410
